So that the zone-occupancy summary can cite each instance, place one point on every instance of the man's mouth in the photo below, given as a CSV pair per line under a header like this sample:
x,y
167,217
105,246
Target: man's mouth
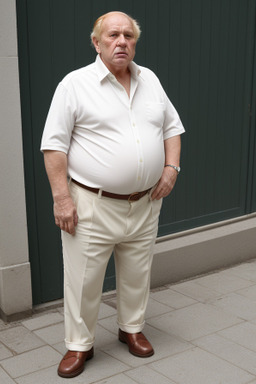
x,y
121,53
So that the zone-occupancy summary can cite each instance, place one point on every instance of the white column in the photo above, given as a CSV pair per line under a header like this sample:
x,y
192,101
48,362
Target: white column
x,y
15,279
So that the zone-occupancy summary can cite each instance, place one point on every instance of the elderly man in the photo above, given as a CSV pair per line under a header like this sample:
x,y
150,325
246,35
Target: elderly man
x,y
114,132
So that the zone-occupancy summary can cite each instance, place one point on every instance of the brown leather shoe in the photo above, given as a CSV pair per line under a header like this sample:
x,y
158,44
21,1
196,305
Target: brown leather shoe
x,y
137,343
72,363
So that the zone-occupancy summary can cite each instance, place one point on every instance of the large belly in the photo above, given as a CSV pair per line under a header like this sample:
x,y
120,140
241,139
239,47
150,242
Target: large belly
x,y
118,167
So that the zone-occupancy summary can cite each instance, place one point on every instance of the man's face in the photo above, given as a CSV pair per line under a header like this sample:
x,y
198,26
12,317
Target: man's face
x,y
117,42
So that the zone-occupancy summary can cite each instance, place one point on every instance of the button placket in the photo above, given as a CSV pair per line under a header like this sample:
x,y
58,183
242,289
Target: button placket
x,y
140,160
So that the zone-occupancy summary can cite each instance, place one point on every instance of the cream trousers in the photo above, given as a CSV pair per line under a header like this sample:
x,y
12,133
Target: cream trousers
x,y
106,225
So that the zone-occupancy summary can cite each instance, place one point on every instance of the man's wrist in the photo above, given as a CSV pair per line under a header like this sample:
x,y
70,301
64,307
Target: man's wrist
x,y
177,168
60,197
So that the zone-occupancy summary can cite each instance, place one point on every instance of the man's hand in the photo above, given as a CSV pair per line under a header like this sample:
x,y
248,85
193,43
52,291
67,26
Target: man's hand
x,y
165,184
65,214
63,206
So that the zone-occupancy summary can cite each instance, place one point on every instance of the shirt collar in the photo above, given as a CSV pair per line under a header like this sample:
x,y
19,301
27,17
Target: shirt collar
x,y
103,71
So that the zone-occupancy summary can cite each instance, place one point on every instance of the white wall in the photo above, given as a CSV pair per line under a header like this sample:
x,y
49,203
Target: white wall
x,y
15,280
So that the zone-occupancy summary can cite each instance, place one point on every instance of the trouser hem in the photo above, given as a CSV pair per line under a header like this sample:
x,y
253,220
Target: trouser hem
x,y
131,328
78,347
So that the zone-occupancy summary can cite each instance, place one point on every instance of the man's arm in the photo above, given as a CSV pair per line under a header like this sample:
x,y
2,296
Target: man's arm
x,y
64,209
172,147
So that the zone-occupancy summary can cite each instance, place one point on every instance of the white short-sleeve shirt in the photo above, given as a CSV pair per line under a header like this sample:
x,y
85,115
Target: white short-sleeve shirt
x,y
113,142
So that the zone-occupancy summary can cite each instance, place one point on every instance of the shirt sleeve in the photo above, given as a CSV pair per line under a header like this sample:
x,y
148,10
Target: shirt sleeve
x,y
60,121
172,123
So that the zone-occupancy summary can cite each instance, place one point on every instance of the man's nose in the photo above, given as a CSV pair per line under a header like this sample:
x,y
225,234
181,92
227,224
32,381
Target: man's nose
x,y
121,40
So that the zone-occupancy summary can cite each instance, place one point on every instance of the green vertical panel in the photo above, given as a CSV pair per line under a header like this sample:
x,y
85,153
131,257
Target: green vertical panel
x,y
151,34
251,68
99,8
84,52
139,12
252,197
45,270
236,109
203,98
164,63
51,56
208,86
28,146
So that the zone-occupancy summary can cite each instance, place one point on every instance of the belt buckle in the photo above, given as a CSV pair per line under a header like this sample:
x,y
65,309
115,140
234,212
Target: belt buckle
x,y
135,196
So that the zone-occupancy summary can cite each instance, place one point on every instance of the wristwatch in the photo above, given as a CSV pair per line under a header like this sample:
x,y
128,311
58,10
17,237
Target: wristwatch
x,y
177,169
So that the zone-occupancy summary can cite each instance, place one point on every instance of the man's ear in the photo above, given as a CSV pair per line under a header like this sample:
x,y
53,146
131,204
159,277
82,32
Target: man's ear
x,y
96,44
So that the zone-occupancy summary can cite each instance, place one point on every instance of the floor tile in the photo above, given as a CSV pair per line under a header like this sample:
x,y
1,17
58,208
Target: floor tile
x,y
60,347
223,282
103,337
44,376
253,321
249,292
52,334
155,308
173,299
229,351
19,339
243,334
4,378
4,326
4,352
105,311
100,367
31,361
199,367
110,323
237,305
163,344
146,375
196,291
41,321
118,379
194,321
110,300
61,310
245,271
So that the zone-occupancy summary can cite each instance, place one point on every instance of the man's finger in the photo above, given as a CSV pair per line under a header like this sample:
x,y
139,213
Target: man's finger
x,y
75,219
155,194
71,228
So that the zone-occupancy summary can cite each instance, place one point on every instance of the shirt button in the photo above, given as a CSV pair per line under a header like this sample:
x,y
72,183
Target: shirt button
x,y
141,160
138,141
139,178
133,124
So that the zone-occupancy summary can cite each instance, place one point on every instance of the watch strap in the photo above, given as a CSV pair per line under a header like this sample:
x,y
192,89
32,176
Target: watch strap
x,y
177,169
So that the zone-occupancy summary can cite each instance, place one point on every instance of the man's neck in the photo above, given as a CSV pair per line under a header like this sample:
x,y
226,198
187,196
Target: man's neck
x,y
125,80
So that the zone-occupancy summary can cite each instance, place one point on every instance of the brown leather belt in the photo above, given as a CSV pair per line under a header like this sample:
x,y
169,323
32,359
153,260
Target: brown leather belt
x,y
132,197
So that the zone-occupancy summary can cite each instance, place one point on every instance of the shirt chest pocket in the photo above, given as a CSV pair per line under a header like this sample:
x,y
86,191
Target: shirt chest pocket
x,y
155,113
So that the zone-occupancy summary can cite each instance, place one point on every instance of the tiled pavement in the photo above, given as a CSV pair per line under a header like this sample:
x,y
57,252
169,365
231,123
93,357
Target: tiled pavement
x,y
203,332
